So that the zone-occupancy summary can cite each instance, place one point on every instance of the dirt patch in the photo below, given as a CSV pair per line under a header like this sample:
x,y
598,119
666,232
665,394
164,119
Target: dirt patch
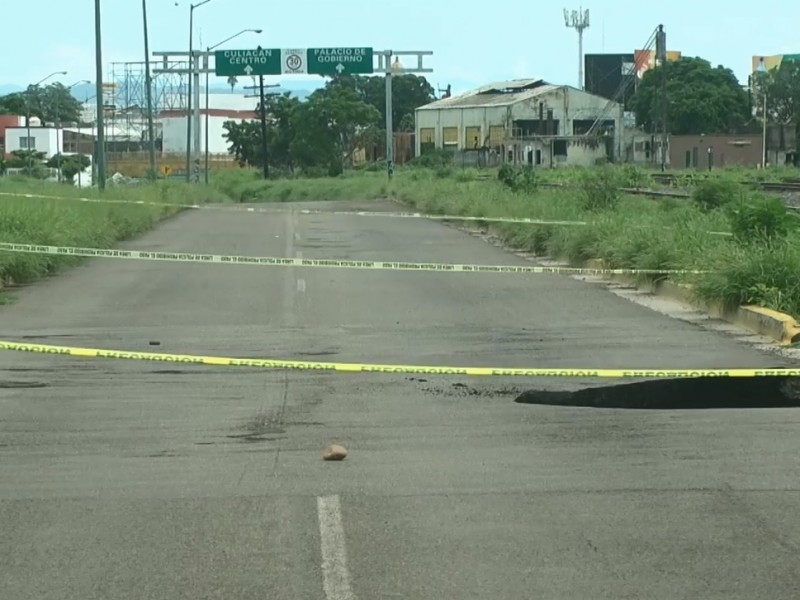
x,y
462,390
264,427
690,393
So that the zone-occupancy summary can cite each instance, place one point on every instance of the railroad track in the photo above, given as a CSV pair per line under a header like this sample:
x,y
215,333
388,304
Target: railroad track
x,y
787,185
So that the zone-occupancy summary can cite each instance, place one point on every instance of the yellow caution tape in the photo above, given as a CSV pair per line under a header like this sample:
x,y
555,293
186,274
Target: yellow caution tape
x,y
274,261
342,367
360,213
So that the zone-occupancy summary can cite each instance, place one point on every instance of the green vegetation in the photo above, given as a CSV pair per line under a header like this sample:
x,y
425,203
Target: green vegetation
x,y
704,99
50,103
63,222
246,185
323,133
756,262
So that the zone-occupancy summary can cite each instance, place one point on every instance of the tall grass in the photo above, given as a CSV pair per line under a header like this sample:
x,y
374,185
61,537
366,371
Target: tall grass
x,y
66,222
247,185
759,264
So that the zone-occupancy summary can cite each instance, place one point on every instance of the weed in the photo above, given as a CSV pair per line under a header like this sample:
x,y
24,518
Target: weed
x,y
759,217
715,193
600,189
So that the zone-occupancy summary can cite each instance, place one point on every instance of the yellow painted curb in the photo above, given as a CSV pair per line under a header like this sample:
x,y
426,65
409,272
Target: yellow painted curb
x,y
777,325
780,327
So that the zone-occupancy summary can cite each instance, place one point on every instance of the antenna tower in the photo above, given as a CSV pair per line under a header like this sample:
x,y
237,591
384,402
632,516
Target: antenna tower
x,y
579,21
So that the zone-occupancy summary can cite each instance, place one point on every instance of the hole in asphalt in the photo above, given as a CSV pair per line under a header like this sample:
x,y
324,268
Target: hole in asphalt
x,y
666,394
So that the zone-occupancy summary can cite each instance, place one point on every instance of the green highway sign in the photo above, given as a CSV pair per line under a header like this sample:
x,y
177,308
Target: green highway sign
x,y
261,61
339,61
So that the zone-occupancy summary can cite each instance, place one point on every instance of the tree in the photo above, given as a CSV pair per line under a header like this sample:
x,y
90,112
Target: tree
x,y
13,104
232,81
409,92
701,98
52,103
244,139
783,94
330,126
282,110
323,131
30,161
70,165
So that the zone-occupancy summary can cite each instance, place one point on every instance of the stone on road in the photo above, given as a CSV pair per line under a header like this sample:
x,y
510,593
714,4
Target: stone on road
x,y
334,452
136,479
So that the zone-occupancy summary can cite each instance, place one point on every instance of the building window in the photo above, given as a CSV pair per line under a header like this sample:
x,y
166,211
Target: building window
x,y
426,135
427,141
559,147
473,137
27,143
450,136
496,135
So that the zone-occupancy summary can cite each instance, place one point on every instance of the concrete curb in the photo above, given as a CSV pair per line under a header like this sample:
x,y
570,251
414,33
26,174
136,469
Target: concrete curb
x,y
780,327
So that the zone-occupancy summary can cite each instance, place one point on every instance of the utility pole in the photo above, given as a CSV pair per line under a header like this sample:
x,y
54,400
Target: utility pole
x,y
387,57
101,158
194,78
262,99
661,55
148,82
579,21
263,125
59,145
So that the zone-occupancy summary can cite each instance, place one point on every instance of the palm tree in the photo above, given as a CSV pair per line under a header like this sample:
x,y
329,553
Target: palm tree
x,y
232,81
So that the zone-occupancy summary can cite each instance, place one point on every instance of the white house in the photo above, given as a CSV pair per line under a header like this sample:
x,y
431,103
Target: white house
x,y
173,126
41,139
524,121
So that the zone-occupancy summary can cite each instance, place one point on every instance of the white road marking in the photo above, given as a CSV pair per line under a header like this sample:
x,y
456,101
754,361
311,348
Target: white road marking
x,y
296,236
335,577
301,286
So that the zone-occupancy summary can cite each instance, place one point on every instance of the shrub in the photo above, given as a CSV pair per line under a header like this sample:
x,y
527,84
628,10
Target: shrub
x,y
759,217
506,174
633,177
518,178
600,189
711,194
432,159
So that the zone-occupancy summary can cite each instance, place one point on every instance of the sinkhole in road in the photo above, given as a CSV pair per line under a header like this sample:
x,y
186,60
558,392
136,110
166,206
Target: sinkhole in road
x,y
773,391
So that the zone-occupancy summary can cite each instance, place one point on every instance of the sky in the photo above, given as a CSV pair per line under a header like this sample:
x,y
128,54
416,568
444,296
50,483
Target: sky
x,y
473,41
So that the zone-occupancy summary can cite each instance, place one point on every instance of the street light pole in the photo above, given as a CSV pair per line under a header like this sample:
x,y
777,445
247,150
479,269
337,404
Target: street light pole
x,y
60,139
762,69
208,51
192,75
28,116
764,134
148,81
98,48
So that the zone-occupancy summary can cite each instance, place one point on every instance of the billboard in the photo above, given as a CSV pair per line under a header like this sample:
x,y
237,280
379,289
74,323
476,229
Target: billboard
x,y
646,59
606,75
772,62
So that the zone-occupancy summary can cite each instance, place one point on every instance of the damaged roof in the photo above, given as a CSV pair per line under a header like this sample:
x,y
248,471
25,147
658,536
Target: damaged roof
x,y
500,93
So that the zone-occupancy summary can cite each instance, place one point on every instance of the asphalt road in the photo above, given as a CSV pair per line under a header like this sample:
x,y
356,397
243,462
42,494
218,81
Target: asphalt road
x,y
138,480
